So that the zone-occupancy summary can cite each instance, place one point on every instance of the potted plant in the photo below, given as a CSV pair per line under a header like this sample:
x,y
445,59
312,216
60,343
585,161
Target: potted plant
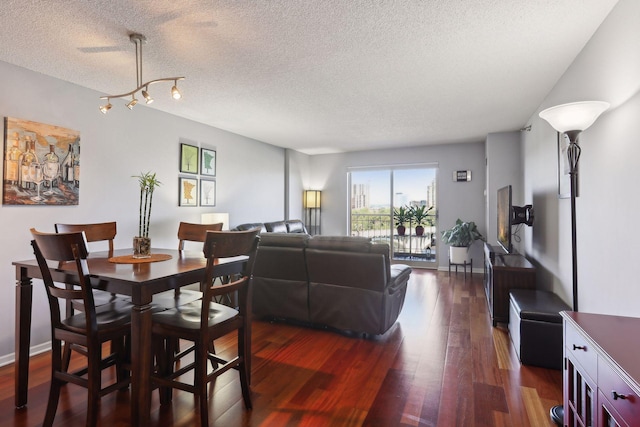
x,y
142,243
420,215
401,216
459,238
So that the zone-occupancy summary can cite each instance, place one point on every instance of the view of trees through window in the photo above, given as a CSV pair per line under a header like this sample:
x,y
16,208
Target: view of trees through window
x,y
398,207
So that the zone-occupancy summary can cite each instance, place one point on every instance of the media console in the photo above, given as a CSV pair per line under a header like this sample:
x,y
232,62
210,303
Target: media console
x,y
503,272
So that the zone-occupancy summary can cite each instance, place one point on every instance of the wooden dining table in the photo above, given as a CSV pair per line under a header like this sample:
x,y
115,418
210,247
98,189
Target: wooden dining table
x,y
140,281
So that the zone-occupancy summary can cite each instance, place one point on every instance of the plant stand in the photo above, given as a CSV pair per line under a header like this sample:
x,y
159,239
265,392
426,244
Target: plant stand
x,y
465,264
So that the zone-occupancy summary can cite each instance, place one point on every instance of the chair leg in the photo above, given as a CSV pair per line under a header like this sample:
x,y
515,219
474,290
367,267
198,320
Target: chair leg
x,y
165,351
243,368
94,375
66,357
200,380
56,384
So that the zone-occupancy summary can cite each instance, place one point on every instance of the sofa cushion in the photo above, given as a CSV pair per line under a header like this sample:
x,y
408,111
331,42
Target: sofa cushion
x,y
276,227
293,240
341,243
296,226
250,225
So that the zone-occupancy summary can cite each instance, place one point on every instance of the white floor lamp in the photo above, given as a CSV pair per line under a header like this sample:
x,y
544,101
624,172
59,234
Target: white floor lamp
x,y
571,119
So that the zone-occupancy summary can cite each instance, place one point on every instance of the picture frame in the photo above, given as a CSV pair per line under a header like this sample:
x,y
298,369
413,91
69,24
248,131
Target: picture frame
x,y
188,158
207,162
42,164
188,191
207,192
564,178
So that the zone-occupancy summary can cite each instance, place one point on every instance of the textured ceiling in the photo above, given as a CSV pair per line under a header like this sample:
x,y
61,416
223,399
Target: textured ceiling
x,y
316,75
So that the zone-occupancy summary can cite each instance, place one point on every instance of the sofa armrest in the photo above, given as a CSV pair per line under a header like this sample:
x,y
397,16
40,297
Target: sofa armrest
x,y
399,277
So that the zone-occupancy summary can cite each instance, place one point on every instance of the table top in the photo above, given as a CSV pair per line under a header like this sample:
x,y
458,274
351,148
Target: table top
x,y
184,267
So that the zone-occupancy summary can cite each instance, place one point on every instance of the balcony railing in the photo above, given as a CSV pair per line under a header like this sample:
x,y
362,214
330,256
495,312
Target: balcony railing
x,y
378,227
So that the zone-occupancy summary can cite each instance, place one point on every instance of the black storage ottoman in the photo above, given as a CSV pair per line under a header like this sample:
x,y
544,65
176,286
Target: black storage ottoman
x,y
535,327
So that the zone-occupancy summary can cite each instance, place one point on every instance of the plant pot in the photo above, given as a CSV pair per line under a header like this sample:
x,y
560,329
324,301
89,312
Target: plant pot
x,y
419,230
458,255
141,247
401,229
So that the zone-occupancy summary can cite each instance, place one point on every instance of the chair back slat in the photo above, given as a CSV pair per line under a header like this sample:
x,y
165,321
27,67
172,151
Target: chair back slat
x,y
189,232
97,232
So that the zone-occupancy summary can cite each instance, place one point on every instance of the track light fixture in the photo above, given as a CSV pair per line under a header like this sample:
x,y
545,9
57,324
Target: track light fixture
x,y
138,40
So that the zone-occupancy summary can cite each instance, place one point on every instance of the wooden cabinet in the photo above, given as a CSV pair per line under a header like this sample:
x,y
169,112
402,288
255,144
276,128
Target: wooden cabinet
x,y
601,370
503,272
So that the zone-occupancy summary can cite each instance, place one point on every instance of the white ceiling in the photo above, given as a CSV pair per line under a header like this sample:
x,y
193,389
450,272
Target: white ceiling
x,y
316,75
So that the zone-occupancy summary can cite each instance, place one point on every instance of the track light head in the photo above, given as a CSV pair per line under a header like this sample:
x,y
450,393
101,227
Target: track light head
x,y
132,103
175,93
105,108
146,96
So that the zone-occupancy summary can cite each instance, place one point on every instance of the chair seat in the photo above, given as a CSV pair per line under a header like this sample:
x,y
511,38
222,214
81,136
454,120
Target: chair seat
x,y
171,299
187,317
108,316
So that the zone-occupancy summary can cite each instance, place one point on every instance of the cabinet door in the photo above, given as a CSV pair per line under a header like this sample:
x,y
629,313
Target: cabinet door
x,y
608,416
580,397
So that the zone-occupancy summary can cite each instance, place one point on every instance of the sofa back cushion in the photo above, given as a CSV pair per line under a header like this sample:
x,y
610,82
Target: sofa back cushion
x,y
249,226
341,243
276,227
296,226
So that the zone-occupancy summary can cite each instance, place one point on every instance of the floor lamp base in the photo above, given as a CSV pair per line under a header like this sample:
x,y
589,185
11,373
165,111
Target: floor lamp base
x,y
557,414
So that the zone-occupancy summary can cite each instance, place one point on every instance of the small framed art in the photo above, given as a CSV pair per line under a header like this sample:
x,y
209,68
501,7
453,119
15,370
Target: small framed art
x,y
207,162
188,158
188,192
207,192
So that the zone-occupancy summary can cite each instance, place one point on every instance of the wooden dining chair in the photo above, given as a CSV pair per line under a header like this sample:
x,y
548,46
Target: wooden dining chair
x,y
84,332
187,232
201,322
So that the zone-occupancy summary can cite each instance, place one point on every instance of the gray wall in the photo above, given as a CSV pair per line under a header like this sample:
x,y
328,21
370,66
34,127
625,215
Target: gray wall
x,y
455,199
607,69
250,176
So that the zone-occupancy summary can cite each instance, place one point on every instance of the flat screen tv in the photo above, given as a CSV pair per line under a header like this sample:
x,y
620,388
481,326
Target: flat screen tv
x,y
504,218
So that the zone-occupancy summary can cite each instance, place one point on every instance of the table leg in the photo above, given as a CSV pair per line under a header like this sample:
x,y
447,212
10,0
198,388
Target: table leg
x,y
24,298
141,364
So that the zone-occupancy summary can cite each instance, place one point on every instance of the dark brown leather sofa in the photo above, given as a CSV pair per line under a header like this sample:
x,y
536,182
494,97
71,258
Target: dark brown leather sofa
x,y
286,226
341,282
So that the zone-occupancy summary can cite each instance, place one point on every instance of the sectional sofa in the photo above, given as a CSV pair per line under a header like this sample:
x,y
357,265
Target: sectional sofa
x,y
339,282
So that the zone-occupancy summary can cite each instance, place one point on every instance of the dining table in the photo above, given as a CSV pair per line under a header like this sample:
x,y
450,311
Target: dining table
x,y
139,279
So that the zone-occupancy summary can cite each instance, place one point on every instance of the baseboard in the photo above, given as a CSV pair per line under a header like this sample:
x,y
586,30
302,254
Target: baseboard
x,y
37,349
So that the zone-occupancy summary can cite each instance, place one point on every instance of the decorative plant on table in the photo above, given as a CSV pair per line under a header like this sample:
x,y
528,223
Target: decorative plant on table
x,y
459,238
142,243
420,215
401,216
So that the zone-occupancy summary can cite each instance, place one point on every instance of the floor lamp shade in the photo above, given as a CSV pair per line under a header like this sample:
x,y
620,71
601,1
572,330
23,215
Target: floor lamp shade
x,y
575,116
311,202
215,218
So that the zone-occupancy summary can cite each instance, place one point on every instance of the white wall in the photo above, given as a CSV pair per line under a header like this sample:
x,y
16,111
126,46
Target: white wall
x,y
607,69
250,176
463,200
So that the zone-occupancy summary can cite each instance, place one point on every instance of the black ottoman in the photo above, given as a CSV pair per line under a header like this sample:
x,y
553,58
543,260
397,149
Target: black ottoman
x,y
535,327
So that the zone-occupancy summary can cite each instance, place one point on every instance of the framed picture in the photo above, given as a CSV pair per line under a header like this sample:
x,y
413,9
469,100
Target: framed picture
x,y
564,178
42,164
188,158
207,192
188,188
207,162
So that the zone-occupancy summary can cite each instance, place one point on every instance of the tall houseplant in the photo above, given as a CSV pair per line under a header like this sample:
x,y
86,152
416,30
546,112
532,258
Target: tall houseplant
x,y
142,243
401,216
459,238
420,215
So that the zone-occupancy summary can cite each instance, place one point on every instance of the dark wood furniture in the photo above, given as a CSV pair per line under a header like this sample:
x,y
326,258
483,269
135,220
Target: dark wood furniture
x,y
84,332
215,320
140,282
602,373
503,272
96,232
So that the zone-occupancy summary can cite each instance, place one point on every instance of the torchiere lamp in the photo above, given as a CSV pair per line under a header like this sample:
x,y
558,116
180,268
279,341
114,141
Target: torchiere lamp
x,y
312,206
571,119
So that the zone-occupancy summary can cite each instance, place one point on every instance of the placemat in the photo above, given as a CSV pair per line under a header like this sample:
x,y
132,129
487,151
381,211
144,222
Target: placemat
x,y
129,259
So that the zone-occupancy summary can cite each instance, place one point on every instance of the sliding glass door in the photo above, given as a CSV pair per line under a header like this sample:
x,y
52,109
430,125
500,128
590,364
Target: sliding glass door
x,y
397,206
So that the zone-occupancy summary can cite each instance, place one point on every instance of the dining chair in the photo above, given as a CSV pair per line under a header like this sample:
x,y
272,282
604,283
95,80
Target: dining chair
x,y
201,322
187,232
84,332
94,232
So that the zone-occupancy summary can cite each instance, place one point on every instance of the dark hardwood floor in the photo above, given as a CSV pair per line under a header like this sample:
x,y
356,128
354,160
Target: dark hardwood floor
x,y
441,364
